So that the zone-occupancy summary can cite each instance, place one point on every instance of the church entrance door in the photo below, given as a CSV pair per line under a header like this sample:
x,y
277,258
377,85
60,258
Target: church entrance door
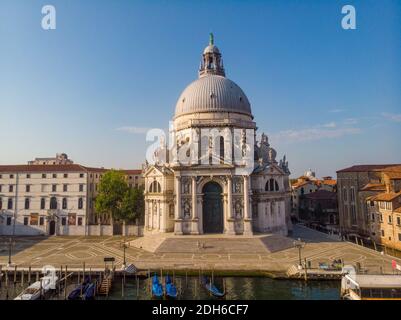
x,y
212,208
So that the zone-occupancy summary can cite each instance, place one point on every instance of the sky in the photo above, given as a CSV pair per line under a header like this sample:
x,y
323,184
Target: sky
x,y
327,97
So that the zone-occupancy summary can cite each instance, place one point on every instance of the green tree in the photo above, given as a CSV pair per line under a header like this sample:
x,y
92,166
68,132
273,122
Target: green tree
x,y
133,204
116,200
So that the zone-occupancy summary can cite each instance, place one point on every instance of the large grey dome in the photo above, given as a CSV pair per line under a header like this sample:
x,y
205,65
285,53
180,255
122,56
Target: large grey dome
x,y
212,93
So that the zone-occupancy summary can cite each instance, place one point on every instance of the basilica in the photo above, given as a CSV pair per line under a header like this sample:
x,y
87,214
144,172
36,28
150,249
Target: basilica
x,y
214,176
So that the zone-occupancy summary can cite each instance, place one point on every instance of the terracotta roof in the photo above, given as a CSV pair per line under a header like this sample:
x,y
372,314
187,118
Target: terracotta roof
x,y
398,210
330,182
395,169
385,196
42,168
393,175
368,167
56,168
321,194
374,187
301,183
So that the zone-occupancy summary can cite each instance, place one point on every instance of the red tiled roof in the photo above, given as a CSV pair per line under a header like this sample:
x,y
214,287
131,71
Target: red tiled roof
x,y
42,168
374,187
368,167
385,196
395,169
57,168
301,183
330,182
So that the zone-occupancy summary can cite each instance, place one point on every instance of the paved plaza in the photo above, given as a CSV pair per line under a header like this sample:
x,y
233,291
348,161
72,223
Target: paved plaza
x,y
271,254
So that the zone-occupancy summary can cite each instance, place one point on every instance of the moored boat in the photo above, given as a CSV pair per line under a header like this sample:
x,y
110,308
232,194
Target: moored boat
x,y
171,289
370,286
213,290
157,288
38,288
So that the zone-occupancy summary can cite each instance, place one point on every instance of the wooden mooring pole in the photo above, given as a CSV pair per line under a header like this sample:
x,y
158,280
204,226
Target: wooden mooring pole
x,y
6,278
186,278
15,275
137,286
29,275
65,283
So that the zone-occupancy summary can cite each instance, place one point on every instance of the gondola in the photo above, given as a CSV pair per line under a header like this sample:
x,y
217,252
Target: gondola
x,y
157,288
79,292
89,293
171,289
213,290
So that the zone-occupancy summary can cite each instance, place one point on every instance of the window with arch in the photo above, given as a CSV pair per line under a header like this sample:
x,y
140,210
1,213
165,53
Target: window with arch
x,y
272,185
80,203
53,203
64,203
155,187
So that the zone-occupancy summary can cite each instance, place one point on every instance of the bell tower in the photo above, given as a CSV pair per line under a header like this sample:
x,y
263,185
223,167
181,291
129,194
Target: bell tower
x,y
211,63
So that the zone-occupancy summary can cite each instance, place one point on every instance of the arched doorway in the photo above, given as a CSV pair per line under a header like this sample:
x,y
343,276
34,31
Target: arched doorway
x,y
52,228
212,208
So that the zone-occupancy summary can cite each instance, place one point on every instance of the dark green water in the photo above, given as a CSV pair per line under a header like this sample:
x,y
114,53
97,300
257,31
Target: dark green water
x,y
252,288
248,288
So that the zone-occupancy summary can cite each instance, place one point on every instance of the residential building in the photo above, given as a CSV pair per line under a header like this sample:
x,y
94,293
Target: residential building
x,y
355,184
52,199
305,184
320,207
384,211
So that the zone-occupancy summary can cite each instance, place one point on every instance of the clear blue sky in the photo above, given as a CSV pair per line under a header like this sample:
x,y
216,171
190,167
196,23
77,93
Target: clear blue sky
x,y
327,97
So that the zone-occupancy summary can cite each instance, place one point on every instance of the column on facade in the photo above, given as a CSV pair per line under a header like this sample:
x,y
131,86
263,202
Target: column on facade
x,y
195,220
247,208
194,198
158,215
178,222
246,198
229,197
146,214
178,197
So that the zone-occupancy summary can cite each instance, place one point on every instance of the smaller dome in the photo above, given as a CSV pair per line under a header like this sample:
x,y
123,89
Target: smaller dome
x,y
211,48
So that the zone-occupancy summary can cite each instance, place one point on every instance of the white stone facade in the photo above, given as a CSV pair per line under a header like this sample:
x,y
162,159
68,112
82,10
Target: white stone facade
x,y
213,190
47,199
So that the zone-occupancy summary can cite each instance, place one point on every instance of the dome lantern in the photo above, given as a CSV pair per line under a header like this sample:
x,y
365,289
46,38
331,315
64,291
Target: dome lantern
x,y
211,60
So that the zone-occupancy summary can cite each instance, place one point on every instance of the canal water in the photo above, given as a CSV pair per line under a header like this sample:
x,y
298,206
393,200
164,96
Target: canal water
x,y
248,288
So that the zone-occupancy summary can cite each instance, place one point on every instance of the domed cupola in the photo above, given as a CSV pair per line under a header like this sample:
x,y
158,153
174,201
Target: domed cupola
x,y
212,91
211,60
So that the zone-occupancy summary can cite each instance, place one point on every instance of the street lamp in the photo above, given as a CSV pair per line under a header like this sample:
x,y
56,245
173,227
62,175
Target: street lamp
x,y
124,245
299,244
